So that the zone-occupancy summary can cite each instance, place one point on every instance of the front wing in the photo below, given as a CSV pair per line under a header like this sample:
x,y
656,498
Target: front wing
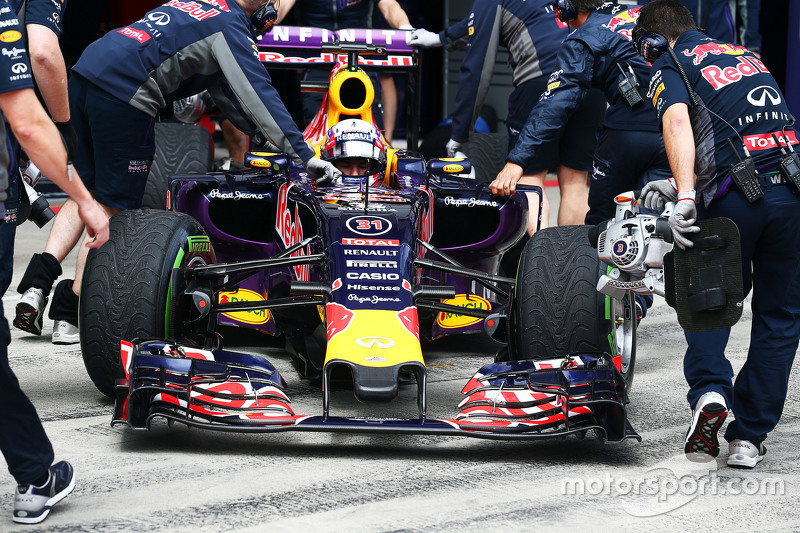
x,y
229,391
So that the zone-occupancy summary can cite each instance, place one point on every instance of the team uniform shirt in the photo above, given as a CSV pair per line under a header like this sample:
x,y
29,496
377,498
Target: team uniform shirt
x,y
733,82
532,35
590,57
183,48
336,14
48,13
15,74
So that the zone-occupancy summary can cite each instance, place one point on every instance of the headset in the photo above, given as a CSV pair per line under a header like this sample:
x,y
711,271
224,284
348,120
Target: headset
x,y
565,10
264,17
648,44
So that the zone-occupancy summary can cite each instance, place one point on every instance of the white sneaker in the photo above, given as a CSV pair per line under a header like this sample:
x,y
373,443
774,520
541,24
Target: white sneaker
x,y
745,454
65,333
30,311
707,419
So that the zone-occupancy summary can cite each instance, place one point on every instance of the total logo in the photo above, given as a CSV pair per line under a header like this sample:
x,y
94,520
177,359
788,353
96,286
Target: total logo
x,y
138,35
375,342
369,226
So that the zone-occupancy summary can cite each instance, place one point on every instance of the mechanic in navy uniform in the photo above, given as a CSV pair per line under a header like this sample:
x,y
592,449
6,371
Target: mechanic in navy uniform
x,y
117,89
532,34
597,54
42,28
334,15
735,99
23,441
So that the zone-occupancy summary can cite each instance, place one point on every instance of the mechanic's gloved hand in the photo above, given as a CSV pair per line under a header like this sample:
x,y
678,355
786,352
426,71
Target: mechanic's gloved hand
x,y
424,39
682,222
69,137
453,147
323,172
656,193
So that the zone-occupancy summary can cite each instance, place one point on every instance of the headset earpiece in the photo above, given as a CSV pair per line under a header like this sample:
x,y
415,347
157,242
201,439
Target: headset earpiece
x,y
565,10
264,17
649,45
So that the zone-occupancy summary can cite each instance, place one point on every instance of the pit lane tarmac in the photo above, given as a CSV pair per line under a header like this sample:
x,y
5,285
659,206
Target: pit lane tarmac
x,y
178,479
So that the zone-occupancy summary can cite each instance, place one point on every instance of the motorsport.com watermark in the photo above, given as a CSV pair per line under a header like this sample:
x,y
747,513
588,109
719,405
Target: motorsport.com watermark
x,y
664,487
671,484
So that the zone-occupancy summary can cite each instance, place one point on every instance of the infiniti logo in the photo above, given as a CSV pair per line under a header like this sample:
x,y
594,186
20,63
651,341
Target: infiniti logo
x,y
159,18
375,342
19,68
759,95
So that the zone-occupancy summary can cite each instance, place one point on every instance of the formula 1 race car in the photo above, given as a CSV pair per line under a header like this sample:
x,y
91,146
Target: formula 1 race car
x,y
352,276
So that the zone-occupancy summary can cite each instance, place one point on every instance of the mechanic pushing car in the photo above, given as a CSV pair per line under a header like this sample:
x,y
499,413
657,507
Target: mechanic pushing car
x,y
532,34
355,147
629,147
23,441
119,86
728,133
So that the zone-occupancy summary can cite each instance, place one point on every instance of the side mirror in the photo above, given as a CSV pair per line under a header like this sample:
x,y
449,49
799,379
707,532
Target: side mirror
x,y
451,166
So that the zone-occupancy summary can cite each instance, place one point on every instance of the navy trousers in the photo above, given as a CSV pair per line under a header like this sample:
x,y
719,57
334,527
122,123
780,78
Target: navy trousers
x,y
770,235
24,443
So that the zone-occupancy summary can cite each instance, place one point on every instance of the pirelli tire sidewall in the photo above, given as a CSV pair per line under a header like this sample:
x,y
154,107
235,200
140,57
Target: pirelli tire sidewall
x,y
180,149
557,309
126,291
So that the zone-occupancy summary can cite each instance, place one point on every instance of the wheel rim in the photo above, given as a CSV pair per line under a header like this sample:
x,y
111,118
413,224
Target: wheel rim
x,y
624,324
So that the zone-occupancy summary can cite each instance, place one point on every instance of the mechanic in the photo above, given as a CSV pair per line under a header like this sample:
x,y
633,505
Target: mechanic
x,y
629,148
42,23
718,104
117,89
355,147
23,441
334,15
532,34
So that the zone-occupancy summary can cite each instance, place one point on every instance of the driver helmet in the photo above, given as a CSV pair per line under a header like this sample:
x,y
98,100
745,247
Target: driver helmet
x,y
355,141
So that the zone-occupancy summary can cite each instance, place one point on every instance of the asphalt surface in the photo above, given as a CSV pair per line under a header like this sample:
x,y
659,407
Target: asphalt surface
x,y
176,479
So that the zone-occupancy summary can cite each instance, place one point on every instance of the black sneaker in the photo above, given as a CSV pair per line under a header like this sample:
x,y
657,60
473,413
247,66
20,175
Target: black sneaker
x,y
32,504
707,418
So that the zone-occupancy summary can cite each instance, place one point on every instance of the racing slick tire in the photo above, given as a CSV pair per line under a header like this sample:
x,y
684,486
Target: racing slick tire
x,y
180,149
127,290
487,152
557,309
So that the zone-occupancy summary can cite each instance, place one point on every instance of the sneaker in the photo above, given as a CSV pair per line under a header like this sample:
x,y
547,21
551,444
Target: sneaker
x,y
65,333
30,311
707,419
32,504
745,454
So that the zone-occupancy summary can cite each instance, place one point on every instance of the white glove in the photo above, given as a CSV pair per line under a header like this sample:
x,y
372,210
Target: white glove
x,y
654,193
323,172
424,39
453,147
682,222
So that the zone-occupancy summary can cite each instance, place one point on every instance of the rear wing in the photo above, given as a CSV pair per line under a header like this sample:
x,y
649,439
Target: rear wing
x,y
292,47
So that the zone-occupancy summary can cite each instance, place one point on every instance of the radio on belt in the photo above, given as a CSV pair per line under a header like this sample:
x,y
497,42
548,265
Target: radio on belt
x,y
744,174
629,87
790,164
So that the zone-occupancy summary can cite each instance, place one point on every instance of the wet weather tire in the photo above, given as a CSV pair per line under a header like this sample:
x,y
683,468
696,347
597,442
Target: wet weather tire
x,y
126,287
557,309
180,149
487,152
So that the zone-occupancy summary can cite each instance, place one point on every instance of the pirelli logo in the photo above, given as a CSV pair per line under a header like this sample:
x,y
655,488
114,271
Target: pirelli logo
x,y
658,92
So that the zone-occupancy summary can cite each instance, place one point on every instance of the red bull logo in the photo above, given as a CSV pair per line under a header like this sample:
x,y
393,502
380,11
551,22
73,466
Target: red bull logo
x,y
701,51
290,230
720,77
623,18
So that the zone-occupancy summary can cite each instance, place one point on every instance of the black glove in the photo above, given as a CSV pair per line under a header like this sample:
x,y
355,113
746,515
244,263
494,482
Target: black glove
x,y
69,137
